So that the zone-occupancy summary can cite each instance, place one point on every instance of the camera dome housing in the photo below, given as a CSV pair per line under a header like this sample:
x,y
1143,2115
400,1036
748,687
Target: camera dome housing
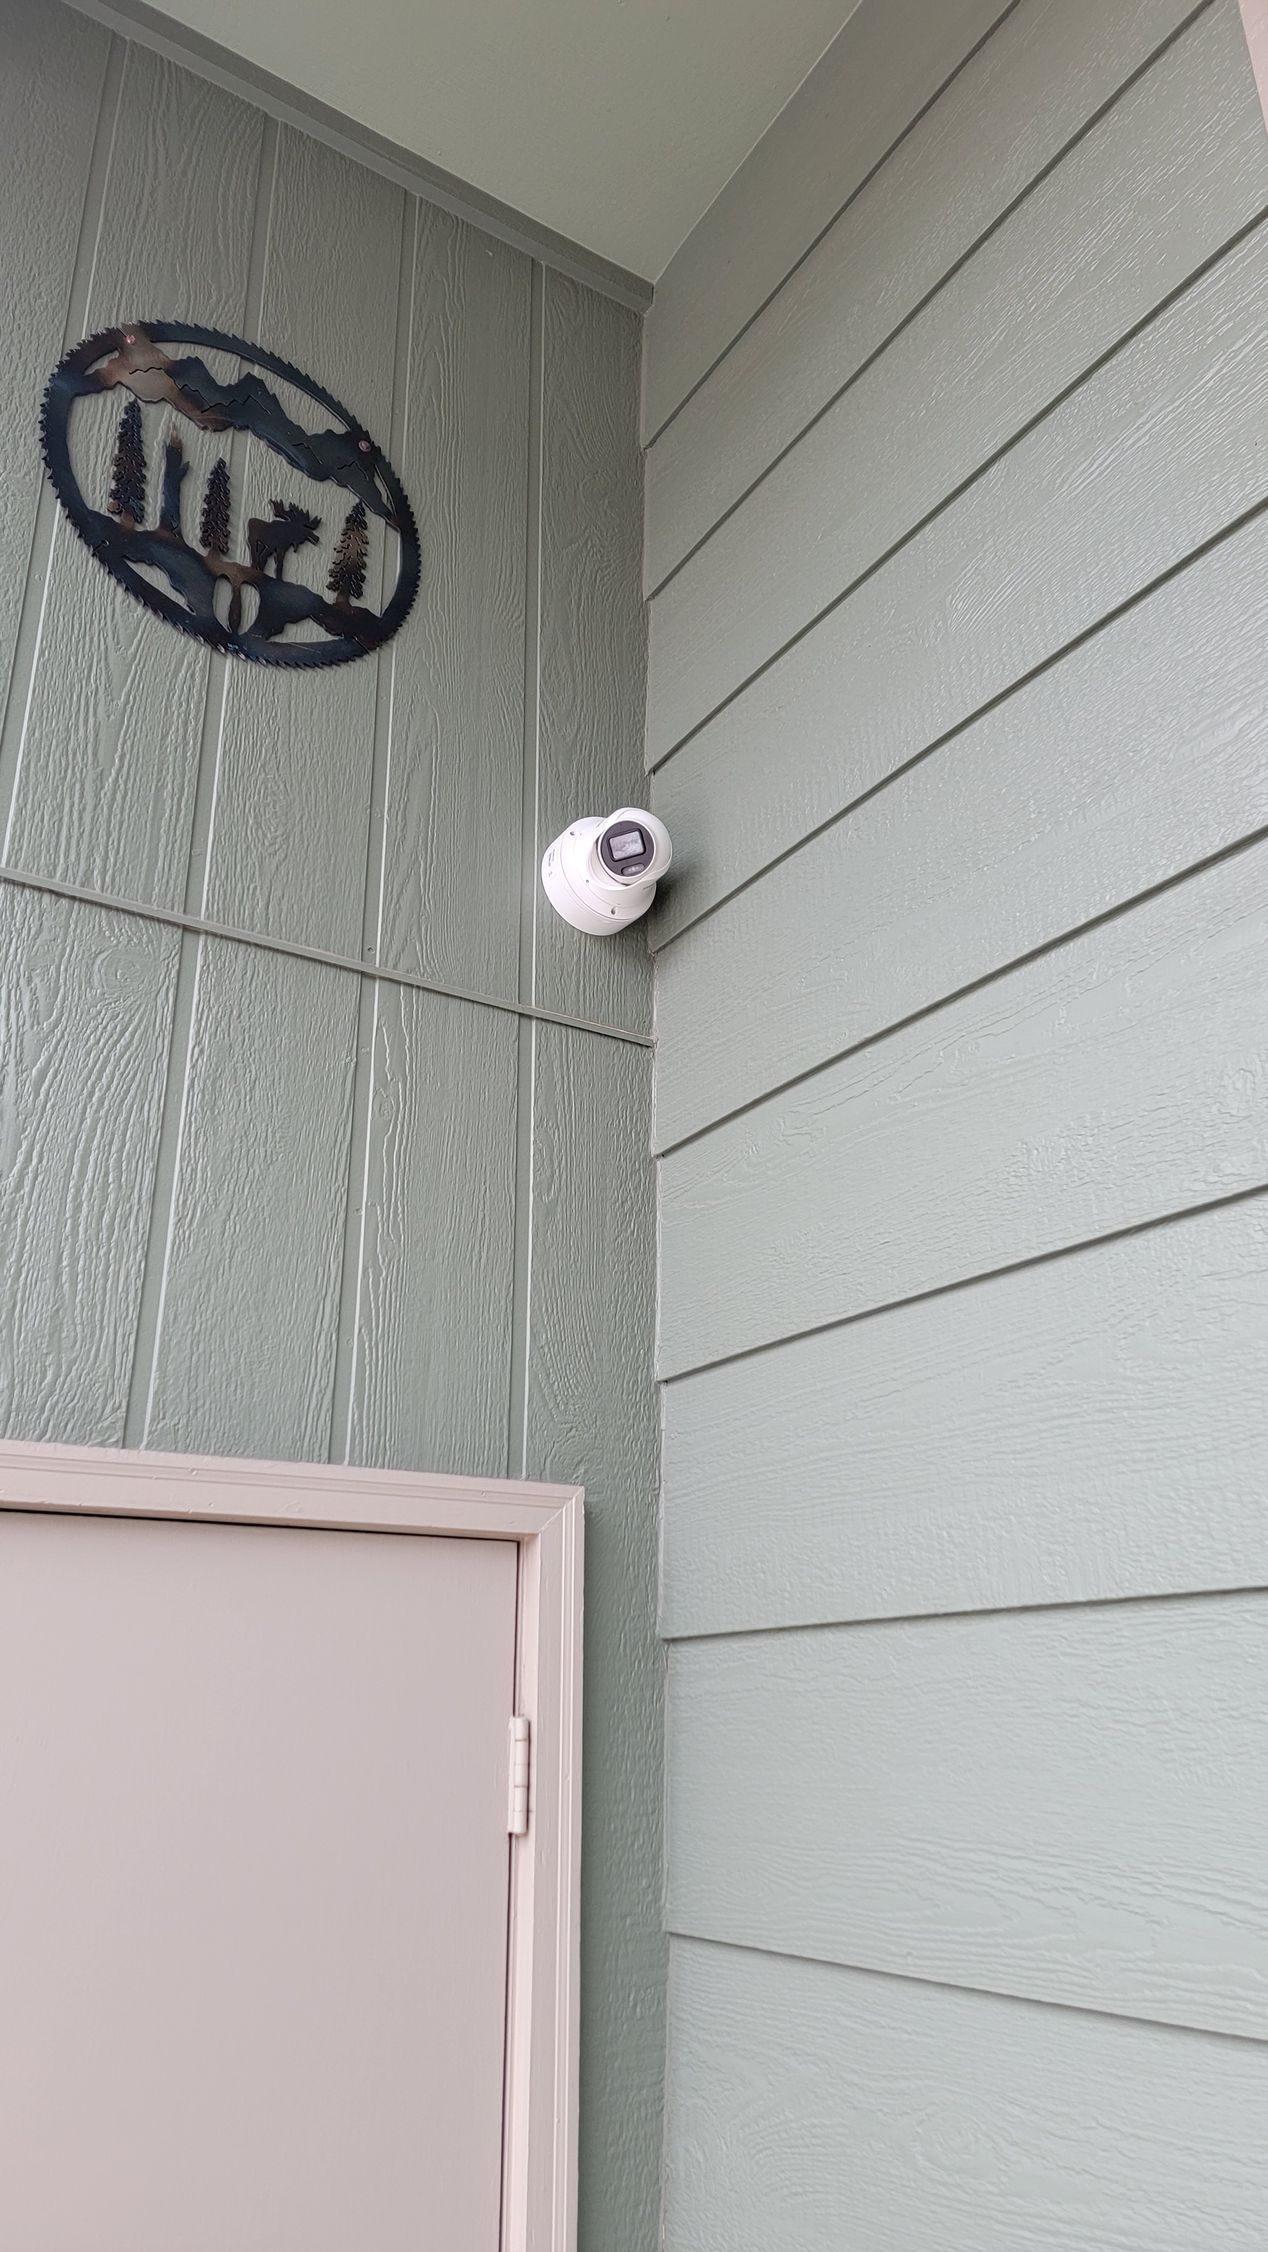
x,y
601,874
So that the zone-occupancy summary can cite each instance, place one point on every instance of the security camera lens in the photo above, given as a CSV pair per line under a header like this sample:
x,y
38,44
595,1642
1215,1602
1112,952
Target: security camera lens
x,y
626,849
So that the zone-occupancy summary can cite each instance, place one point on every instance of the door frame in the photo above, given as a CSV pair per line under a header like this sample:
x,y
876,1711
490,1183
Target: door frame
x,y
539,2200
1255,26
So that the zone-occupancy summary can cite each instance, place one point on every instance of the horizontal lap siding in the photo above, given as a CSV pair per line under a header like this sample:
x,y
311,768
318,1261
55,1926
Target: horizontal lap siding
x,y
816,2109
1156,454
1005,116
1111,1082
1068,1804
1091,1427
1141,755
880,71
258,1204
1133,210
956,708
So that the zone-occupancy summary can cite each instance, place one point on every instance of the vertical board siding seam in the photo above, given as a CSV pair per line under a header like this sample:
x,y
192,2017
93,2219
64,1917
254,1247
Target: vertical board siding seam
x,y
522,1260
526,1065
211,743
825,230
158,1243
979,243
151,1298
356,1200
15,711
975,476
356,1203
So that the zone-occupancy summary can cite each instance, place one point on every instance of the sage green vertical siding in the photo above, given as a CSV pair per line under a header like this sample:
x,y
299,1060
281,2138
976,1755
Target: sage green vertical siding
x,y
588,1402
104,723
255,1203
958,710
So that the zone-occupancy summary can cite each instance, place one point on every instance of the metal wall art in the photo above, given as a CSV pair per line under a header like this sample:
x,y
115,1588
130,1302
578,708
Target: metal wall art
x,y
245,604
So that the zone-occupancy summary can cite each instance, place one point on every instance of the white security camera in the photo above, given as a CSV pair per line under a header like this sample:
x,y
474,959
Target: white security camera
x,y
601,875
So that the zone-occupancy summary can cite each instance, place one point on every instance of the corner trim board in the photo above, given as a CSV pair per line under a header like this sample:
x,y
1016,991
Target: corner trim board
x,y
543,2023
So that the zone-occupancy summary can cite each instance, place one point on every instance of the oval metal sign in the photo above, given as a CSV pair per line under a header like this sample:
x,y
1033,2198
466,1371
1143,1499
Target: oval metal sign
x,y
145,439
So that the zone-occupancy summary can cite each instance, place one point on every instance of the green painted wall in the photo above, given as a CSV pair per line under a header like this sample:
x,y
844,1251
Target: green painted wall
x,y
957,558
254,1204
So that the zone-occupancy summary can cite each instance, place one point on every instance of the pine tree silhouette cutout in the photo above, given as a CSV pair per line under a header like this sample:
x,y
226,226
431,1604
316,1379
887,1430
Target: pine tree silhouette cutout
x,y
351,556
213,529
127,483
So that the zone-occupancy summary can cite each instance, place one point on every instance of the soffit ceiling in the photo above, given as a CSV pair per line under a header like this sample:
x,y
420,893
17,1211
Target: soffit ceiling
x,y
613,122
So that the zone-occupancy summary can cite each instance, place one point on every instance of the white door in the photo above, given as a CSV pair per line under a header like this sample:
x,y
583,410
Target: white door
x,y
253,1887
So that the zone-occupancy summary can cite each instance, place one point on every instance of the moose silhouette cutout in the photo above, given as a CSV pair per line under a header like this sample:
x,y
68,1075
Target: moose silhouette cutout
x,y
272,539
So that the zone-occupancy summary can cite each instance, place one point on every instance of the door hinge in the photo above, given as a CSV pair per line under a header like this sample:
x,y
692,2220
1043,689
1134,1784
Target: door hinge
x,y
520,1764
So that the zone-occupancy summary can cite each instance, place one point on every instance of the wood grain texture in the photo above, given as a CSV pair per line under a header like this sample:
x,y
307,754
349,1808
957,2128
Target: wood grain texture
x,y
890,58
1067,1804
591,652
86,1002
814,2109
51,87
1092,1427
1154,190
249,1139
246,1335
289,841
1060,1803
110,749
1149,458
453,800
1109,1083
437,1239
591,1418
1141,753
1033,84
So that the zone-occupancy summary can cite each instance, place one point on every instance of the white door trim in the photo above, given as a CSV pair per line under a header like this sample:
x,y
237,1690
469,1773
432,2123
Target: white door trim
x,y
540,2119
1255,25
